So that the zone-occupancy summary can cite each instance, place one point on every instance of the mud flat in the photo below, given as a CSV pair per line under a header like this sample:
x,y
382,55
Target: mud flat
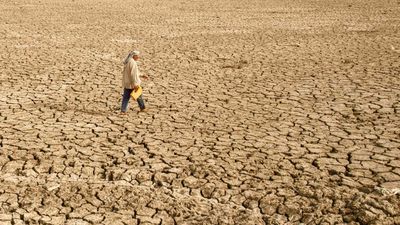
x,y
264,112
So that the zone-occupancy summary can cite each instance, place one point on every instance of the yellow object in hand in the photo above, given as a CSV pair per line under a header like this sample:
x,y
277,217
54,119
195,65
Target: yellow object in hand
x,y
136,94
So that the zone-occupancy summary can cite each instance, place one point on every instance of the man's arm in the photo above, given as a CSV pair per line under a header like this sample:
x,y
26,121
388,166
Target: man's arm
x,y
134,75
144,76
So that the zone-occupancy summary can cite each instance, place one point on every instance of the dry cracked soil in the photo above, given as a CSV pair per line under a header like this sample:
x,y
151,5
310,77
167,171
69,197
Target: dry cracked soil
x,y
259,112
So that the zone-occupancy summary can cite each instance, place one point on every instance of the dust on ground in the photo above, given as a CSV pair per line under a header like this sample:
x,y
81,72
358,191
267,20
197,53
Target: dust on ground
x,y
260,112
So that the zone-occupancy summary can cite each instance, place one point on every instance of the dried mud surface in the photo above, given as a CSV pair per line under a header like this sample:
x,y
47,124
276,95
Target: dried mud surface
x,y
260,112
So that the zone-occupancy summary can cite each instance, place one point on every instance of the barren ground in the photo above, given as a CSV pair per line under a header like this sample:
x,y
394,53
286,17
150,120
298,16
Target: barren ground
x,y
260,112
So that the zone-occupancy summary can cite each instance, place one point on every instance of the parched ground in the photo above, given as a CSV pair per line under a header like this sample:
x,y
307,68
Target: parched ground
x,y
260,112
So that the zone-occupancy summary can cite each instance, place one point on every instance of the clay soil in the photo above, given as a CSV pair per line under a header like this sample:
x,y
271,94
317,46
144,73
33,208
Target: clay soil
x,y
259,112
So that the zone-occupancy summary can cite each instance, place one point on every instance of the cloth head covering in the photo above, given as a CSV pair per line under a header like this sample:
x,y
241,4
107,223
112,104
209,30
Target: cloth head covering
x,y
132,53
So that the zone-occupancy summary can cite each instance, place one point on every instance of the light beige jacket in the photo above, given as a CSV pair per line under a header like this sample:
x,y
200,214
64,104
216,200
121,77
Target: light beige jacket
x,y
130,74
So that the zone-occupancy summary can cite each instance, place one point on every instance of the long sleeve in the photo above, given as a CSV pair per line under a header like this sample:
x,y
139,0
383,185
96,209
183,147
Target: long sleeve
x,y
135,73
131,75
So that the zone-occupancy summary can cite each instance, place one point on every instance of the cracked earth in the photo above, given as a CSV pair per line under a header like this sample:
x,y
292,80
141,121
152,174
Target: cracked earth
x,y
260,112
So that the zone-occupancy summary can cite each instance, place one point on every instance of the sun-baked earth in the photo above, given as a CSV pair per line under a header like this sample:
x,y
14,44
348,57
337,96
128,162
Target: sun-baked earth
x,y
259,112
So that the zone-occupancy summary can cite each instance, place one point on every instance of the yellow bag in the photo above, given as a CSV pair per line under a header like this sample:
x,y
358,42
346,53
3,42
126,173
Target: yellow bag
x,y
136,94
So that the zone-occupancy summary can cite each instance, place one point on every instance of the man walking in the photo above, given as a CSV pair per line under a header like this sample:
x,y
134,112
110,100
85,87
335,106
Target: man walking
x,y
131,81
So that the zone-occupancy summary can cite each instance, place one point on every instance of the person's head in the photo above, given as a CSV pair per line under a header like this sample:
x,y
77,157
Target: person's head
x,y
135,55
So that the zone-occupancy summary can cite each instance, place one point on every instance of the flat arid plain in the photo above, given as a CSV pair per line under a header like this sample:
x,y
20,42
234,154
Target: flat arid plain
x,y
259,112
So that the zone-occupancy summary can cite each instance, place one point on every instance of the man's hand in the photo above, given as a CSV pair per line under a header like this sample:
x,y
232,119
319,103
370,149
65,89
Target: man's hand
x,y
135,87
